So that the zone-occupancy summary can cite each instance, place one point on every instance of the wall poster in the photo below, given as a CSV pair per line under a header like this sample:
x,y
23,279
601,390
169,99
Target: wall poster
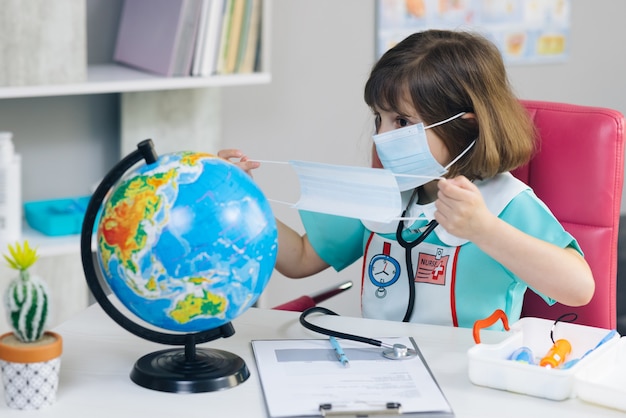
x,y
525,31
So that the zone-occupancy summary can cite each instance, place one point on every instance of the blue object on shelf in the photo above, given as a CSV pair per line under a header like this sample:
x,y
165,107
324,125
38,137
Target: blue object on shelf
x,y
57,217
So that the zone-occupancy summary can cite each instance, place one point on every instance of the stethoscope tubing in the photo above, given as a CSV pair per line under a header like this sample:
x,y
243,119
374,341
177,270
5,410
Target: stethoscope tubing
x,y
392,352
333,333
408,247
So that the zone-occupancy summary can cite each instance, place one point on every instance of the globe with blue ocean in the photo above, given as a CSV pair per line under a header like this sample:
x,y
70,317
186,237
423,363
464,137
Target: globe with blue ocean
x,y
187,243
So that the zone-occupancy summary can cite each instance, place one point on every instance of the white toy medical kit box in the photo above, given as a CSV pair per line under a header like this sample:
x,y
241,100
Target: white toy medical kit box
x,y
579,375
603,380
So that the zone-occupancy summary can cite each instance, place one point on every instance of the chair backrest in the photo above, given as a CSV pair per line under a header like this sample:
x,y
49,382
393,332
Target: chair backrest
x,y
578,172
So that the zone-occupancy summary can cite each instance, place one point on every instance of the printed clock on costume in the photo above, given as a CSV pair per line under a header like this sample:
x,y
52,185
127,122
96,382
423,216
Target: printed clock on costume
x,y
383,270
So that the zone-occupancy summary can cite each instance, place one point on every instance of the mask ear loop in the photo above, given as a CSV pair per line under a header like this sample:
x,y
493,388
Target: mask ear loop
x,y
445,121
469,147
447,167
562,318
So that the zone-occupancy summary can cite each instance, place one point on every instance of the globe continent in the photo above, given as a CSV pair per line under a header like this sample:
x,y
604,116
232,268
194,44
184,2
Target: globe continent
x,y
187,243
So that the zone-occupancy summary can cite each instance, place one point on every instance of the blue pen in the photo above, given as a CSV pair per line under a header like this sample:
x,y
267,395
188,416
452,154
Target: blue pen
x,y
341,356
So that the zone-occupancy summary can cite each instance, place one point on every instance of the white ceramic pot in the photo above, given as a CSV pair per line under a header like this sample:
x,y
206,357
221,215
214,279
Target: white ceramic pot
x,y
30,372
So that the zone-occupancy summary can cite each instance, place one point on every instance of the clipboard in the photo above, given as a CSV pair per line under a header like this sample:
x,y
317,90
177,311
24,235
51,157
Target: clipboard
x,y
303,378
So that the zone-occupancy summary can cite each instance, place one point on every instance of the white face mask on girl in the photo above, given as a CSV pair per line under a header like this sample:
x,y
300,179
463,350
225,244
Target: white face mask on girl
x,y
405,152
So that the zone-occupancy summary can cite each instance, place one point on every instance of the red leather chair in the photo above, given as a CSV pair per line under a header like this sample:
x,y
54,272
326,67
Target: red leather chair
x,y
579,173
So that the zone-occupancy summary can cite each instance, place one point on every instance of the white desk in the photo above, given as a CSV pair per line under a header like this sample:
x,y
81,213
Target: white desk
x,y
99,355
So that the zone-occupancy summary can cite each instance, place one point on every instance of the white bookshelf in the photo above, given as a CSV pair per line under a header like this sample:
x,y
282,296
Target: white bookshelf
x,y
112,78
109,107
48,246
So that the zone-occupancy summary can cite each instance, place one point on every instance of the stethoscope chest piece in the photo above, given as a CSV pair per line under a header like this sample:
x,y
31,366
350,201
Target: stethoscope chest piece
x,y
399,352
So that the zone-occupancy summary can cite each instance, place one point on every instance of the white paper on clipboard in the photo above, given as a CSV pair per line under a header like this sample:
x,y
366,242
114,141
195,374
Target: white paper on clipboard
x,y
297,376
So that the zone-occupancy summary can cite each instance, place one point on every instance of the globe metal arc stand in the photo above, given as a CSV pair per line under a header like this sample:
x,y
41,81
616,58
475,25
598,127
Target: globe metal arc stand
x,y
179,370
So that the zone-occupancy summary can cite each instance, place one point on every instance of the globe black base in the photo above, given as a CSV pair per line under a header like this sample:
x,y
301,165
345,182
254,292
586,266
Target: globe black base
x,y
173,371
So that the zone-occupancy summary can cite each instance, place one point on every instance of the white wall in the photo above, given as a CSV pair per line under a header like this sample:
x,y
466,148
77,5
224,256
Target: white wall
x,y
322,52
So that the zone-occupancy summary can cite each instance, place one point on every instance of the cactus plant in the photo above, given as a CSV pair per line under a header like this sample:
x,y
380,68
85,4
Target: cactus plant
x,y
26,298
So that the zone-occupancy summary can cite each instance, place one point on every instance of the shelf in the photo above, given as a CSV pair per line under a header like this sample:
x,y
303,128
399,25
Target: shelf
x,y
111,78
48,246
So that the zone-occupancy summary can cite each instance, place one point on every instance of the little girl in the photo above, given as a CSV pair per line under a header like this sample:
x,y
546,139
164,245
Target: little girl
x,y
476,240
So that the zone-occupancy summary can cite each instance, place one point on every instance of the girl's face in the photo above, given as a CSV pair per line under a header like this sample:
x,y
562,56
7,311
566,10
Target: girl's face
x,y
389,120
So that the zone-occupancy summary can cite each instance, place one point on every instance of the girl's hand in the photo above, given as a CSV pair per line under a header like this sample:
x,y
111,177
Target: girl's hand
x,y
559,273
461,209
238,158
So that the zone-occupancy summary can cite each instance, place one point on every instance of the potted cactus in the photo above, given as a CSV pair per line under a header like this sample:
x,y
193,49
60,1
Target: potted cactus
x,y
30,356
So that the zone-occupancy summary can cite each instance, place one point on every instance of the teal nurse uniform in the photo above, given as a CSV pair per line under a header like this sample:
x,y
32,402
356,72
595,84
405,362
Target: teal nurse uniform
x,y
455,282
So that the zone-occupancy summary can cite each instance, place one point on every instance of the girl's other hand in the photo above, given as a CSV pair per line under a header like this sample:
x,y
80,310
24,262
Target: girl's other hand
x,y
461,209
238,158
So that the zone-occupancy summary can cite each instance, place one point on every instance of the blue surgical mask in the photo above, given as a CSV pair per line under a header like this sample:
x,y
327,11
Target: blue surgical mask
x,y
356,192
363,193
405,152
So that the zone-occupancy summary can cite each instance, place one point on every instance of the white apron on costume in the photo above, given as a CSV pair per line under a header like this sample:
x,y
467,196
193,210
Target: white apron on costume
x,y
385,285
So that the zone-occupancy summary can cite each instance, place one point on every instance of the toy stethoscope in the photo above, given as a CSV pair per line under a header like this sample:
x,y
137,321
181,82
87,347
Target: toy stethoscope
x,y
408,247
391,351
395,351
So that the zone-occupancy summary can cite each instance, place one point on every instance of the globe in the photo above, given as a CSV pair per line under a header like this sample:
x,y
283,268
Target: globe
x,y
187,243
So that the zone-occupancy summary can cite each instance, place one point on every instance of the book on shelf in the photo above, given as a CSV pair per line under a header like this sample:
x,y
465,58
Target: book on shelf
x,y
210,38
200,37
190,37
234,35
250,43
158,35
220,65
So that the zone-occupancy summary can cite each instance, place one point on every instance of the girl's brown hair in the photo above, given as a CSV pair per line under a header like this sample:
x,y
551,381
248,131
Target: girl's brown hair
x,y
443,73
